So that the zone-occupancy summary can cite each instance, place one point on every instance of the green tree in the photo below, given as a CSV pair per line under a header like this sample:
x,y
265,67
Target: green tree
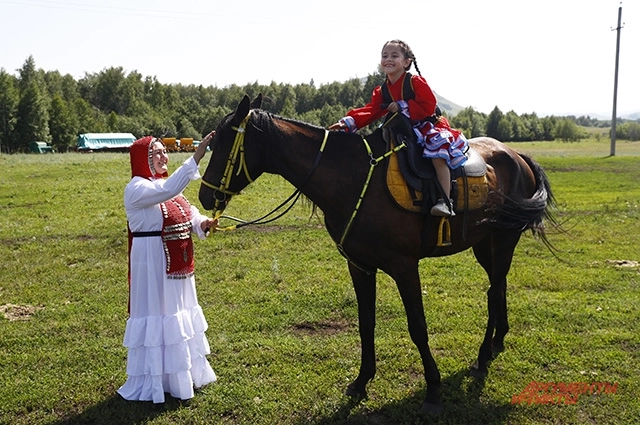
x,y
518,130
350,95
567,130
470,122
8,110
548,126
106,90
330,114
629,131
372,81
90,118
305,97
505,130
285,104
63,124
28,74
493,123
32,122
186,129
534,127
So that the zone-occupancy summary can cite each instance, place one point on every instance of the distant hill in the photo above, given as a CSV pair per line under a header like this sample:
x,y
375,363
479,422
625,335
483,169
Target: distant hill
x,y
448,106
629,116
634,116
452,109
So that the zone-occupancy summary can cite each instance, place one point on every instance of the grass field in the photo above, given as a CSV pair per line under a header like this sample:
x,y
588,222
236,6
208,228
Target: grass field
x,y
282,314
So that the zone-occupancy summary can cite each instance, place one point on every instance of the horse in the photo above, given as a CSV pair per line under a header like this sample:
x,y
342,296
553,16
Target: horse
x,y
330,168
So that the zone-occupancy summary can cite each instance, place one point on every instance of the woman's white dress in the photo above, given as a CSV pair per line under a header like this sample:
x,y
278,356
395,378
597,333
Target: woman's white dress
x,y
165,330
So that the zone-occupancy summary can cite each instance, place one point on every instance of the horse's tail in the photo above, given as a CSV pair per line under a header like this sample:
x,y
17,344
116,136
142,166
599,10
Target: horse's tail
x,y
519,213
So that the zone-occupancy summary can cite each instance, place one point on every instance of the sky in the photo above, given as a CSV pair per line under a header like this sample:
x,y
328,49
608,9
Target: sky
x,y
551,57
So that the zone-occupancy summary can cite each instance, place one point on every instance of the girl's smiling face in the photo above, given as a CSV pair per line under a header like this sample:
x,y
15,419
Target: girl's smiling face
x,y
160,158
393,62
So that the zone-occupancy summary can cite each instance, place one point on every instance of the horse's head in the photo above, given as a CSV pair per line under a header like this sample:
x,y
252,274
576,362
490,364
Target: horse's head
x,y
233,164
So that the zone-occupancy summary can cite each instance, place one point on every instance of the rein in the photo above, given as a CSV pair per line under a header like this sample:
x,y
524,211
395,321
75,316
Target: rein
x,y
225,182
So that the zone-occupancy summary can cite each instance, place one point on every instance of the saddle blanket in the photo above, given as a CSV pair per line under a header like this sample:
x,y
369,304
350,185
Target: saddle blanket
x,y
410,199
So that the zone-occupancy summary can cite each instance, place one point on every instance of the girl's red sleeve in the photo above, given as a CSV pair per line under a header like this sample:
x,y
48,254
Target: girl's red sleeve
x,y
424,103
370,112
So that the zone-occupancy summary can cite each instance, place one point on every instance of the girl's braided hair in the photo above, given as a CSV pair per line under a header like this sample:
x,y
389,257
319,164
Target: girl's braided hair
x,y
407,52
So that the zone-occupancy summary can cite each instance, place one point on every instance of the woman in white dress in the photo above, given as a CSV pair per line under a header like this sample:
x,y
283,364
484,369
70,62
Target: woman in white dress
x,y
165,331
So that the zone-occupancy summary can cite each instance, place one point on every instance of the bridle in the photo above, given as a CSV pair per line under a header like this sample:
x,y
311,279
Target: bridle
x,y
225,181
222,192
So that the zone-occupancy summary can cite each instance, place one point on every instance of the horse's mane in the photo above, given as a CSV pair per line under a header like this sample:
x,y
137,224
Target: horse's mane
x,y
266,121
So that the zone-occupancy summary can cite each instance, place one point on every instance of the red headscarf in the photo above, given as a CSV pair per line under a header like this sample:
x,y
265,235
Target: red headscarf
x,y
142,160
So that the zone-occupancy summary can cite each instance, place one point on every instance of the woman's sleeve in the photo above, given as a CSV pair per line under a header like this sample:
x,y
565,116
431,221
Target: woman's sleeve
x,y
424,103
144,193
196,221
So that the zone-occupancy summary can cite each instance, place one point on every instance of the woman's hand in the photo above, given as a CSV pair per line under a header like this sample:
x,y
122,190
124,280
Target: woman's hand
x,y
202,147
208,225
337,126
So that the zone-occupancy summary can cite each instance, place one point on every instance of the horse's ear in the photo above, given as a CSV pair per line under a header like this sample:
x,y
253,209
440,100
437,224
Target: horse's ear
x,y
257,102
241,111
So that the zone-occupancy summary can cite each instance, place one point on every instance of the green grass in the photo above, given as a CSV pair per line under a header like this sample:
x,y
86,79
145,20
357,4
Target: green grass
x,y
283,316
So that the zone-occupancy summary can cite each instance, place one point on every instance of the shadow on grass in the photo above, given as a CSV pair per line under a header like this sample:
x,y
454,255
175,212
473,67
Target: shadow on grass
x,y
116,410
462,405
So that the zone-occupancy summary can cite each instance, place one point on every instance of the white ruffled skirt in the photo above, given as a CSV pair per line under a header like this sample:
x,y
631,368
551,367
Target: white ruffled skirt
x,y
166,352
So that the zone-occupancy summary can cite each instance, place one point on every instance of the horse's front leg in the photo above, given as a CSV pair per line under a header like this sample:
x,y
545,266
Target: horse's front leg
x,y
365,288
408,282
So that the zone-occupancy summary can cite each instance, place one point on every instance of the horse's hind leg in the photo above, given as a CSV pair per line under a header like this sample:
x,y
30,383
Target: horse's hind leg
x,y
365,287
494,253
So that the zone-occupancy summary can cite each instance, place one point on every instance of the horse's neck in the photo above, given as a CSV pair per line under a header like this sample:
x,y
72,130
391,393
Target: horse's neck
x,y
316,167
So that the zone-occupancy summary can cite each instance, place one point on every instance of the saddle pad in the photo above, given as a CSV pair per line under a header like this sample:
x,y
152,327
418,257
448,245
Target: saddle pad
x,y
406,197
411,200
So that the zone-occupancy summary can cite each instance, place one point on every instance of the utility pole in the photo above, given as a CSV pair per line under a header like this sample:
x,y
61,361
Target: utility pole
x,y
612,152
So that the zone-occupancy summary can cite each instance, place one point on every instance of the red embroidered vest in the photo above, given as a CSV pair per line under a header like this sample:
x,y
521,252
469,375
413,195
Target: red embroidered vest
x,y
176,237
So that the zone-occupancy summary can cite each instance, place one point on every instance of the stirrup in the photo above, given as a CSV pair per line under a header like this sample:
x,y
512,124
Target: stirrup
x,y
444,232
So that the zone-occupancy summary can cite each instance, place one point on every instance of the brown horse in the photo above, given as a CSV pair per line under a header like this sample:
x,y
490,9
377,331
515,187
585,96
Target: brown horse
x,y
332,168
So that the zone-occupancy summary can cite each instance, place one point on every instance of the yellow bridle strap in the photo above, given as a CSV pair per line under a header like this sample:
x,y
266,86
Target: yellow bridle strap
x,y
233,155
324,141
217,188
238,147
372,162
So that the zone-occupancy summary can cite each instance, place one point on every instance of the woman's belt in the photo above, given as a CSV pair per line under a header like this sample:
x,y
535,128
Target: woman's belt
x,y
146,234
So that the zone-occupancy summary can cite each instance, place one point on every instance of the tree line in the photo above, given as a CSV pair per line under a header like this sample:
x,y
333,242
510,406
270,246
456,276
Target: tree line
x,y
38,105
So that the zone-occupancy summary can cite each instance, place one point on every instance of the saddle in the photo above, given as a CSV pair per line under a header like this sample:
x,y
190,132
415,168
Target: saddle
x,y
411,178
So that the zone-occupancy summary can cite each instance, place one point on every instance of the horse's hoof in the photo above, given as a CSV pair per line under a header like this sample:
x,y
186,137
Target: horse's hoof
x,y
356,393
476,372
432,408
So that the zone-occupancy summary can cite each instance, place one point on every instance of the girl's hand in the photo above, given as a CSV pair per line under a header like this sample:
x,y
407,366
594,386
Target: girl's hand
x,y
337,126
393,107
